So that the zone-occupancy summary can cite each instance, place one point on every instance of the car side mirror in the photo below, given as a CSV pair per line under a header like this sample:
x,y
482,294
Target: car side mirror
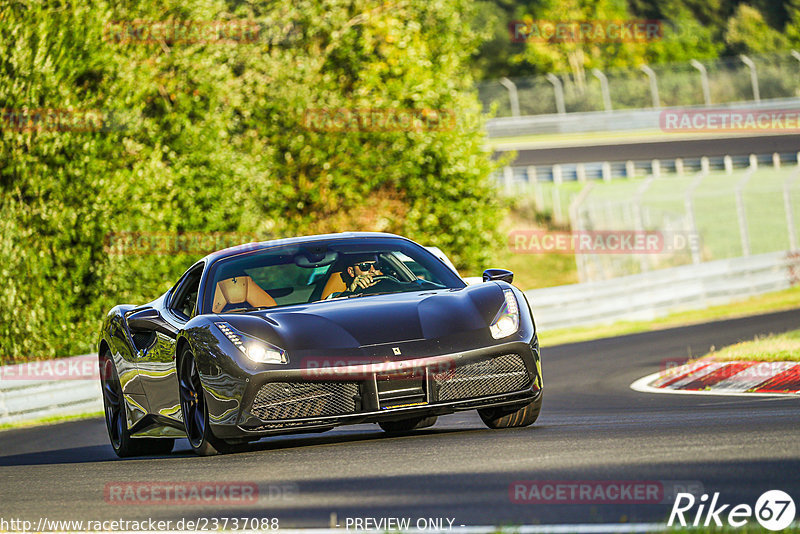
x,y
498,274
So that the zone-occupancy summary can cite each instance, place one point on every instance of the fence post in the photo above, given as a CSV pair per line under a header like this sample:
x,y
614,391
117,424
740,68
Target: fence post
x,y
559,92
703,80
508,179
606,171
753,161
557,176
644,260
603,88
704,165
512,95
656,165
728,162
679,166
575,224
689,205
741,213
753,76
531,173
776,160
538,196
557,216
787,204
630,169
651,76
580,171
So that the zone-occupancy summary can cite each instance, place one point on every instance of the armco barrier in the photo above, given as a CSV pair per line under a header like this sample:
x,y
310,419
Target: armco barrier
x,y
657,293
642,296
31,399
626,120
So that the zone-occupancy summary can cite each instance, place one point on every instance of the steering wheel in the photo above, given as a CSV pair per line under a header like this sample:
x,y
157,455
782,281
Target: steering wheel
x,y
383,282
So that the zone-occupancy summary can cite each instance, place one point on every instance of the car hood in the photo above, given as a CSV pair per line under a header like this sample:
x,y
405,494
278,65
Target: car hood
x,y
375,319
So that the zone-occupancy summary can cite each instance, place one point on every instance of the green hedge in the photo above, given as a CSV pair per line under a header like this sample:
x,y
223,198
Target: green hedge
x,y
209,137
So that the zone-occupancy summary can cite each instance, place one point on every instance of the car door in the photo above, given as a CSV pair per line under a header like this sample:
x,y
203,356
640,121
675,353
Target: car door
x,y
156,362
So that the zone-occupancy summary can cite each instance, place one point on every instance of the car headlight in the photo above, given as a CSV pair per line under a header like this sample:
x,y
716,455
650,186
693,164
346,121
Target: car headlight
x,y
255,349
507,320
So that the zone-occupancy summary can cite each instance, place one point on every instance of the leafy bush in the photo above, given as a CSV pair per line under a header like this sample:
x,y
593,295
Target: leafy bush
x,y
214,137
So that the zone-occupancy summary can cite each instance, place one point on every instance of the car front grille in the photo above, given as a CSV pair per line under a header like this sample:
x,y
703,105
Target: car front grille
x,y
500,374
286,400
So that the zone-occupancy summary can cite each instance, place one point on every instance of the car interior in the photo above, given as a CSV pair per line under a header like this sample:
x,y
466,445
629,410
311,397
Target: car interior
x,y
299,280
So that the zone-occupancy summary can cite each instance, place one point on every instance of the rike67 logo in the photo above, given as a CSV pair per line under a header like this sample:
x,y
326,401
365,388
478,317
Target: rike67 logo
x,y
774,510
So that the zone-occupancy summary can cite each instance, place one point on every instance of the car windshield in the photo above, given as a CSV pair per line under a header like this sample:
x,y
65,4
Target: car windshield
x,y
323,270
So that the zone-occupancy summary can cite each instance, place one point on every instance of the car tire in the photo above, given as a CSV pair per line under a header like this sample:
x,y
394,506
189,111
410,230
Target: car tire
x,y
512,417
194,409
123,444
407,425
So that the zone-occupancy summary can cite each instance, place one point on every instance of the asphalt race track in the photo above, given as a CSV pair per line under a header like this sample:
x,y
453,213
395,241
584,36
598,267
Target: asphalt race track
x,y
666,149
593,428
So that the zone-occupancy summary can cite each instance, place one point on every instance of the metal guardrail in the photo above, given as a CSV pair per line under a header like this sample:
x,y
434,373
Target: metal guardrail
x,y
637,297
33,391
612,121
656,293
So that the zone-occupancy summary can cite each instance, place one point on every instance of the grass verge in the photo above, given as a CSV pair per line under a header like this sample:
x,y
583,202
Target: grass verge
x,y
770,302
50,420
772,348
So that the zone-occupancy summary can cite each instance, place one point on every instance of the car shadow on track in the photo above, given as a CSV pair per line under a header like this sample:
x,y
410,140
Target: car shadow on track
x,y
104,453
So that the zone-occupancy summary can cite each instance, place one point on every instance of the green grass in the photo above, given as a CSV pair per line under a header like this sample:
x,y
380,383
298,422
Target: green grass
x,y
771,348
770,302
610,206
50,420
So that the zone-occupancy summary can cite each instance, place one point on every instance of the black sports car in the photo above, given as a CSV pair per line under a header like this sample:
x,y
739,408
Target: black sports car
x,y
305,334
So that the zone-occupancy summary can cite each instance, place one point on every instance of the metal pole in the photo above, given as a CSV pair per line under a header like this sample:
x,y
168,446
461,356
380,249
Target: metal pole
x,y
557,205
703,80
742,214
559,91
604,88
689,204
753,76
508,179
651,75
512,95
644,263
787,204
575,223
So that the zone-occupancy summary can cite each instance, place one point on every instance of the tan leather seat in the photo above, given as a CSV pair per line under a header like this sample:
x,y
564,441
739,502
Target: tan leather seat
x,y
335,284
240,289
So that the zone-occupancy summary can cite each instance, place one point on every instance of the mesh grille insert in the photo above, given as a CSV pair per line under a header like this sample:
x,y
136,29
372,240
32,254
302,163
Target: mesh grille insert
x,y
286,400
500,374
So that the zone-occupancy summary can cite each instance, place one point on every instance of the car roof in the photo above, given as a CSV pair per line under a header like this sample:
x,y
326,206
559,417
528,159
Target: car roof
x,y
262,245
